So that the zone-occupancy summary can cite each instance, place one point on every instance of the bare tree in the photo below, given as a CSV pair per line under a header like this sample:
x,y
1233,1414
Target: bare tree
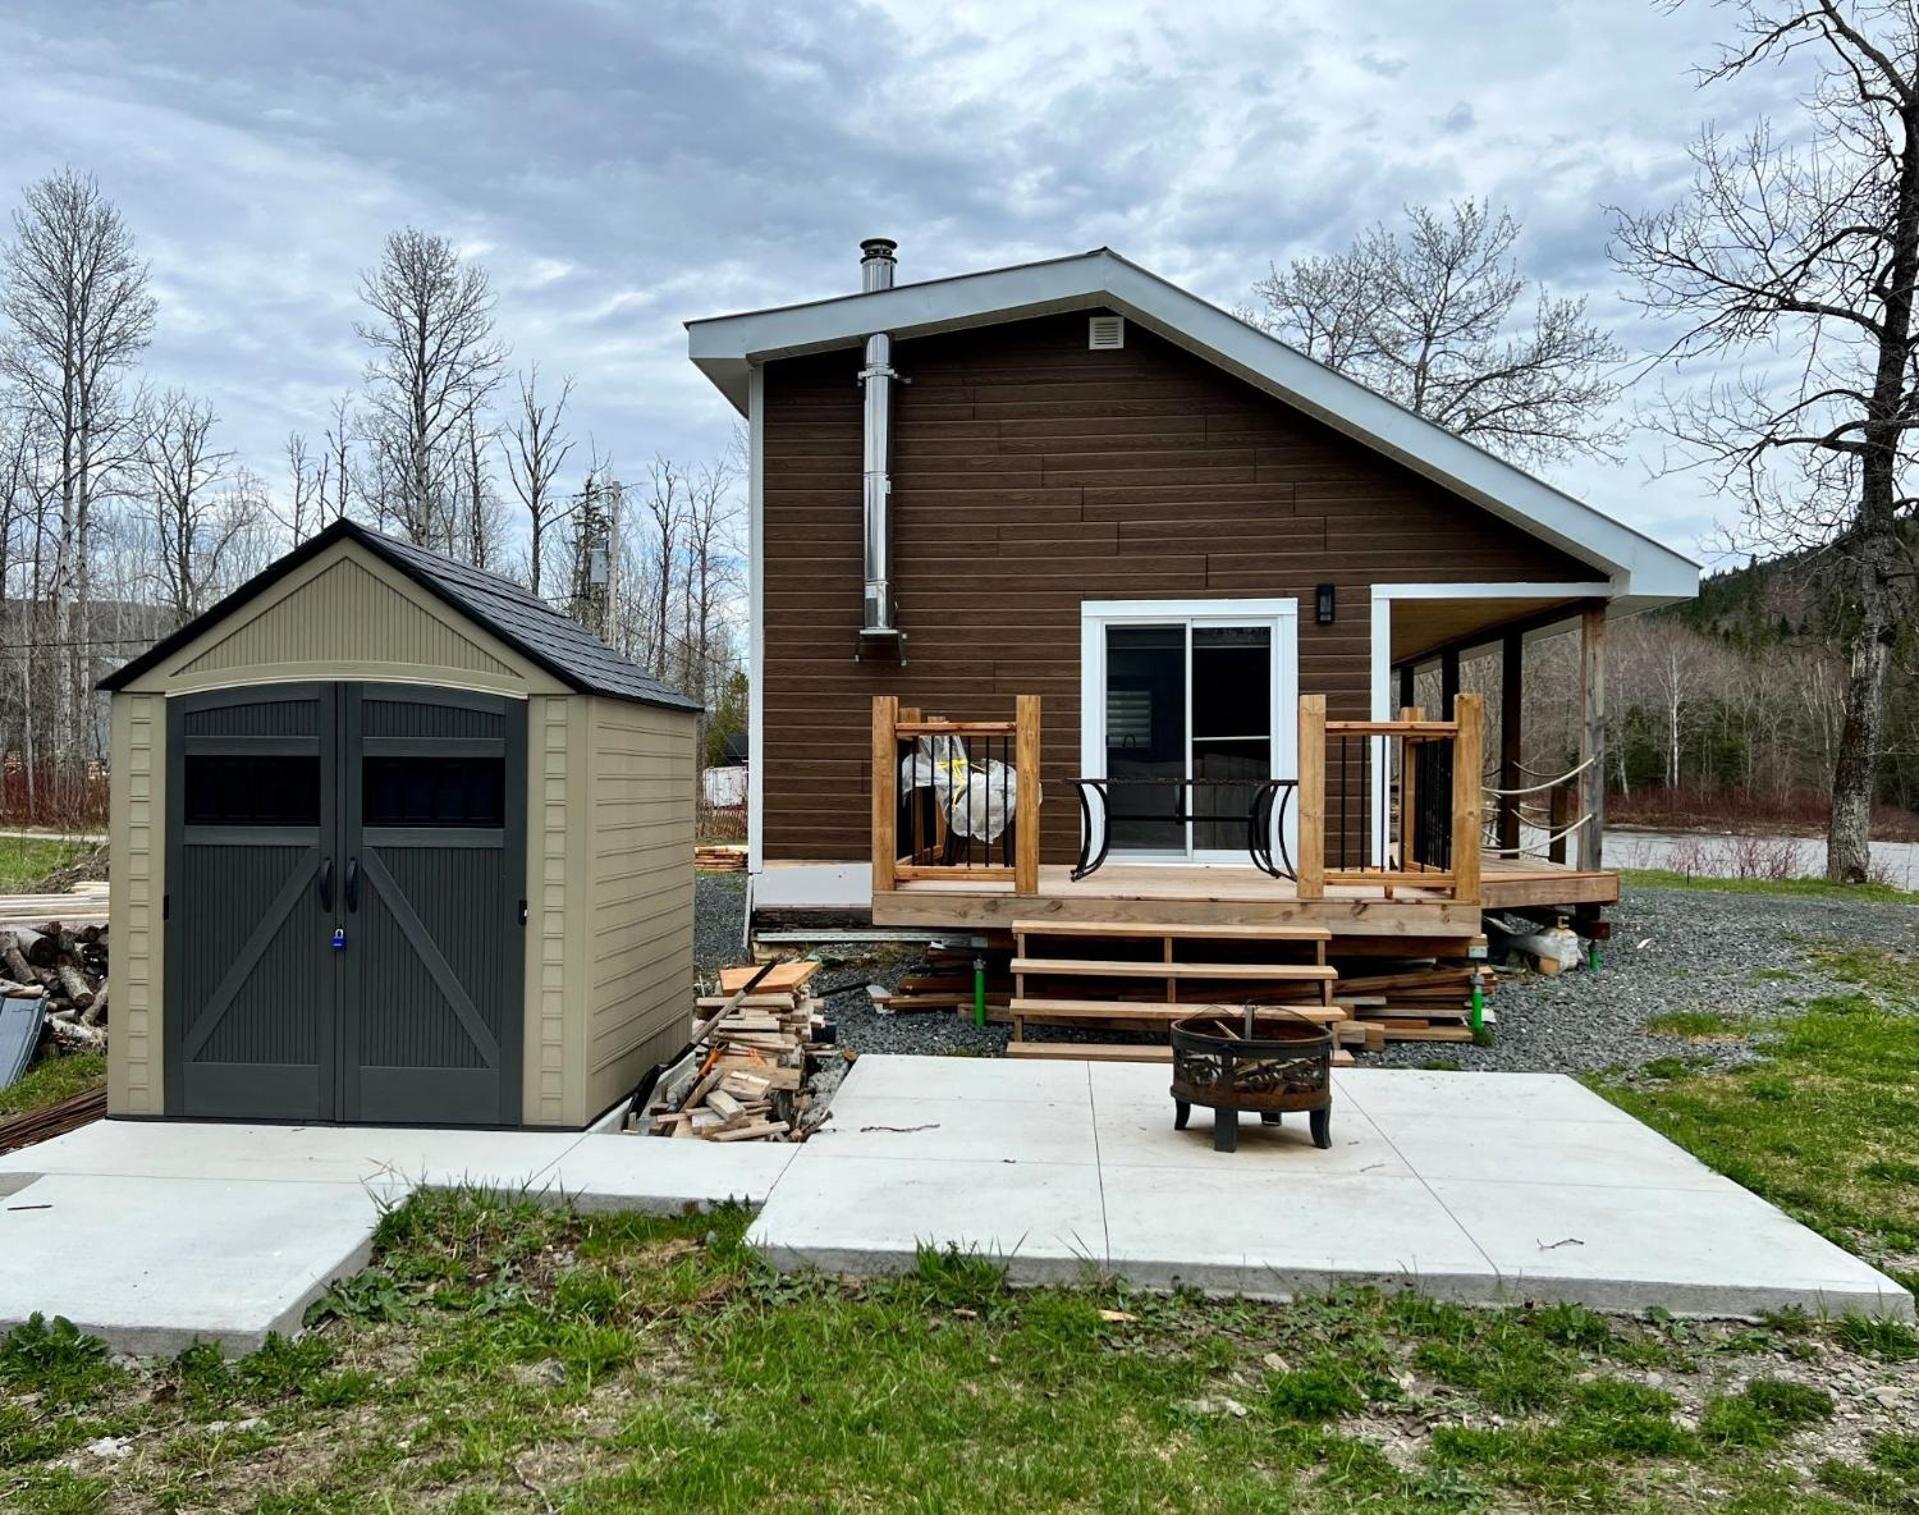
x,y
337,495
74,295
536,449
193,526
666,507
1428,319
306,490
1809,247
435,361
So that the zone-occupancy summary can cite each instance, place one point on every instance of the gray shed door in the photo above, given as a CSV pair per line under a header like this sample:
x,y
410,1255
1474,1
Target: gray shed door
x,y
344,904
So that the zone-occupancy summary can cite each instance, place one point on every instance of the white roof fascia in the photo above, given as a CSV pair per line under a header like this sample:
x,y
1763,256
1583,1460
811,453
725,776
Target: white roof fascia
x,y
1642,572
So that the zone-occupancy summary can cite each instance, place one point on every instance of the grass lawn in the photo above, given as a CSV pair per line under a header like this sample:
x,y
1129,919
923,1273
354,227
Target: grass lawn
x,y
1803,888
51,1080
499,1356
1826,1126
25,860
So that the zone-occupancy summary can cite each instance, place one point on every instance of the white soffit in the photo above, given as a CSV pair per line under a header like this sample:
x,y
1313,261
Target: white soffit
x,y
726,348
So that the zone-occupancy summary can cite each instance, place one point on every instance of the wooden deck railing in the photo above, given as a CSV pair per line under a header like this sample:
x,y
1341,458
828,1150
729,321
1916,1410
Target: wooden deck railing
x,y
917,837
1418,829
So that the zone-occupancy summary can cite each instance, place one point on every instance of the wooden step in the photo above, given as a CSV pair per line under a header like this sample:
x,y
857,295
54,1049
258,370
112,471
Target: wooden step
x,y
1135,1010
1091,1052
1171,928
1115,968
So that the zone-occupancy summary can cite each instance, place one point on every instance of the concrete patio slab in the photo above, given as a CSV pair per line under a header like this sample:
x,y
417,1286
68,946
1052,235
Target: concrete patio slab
x,y
505,1160
168,1263
1719,1252
1461,1183
1272,1235
655,1176
938,1129
865,1215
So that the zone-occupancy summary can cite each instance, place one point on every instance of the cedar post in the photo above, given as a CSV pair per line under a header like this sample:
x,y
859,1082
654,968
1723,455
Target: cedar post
x,y
1559,817
1469,711
1592,731
1026,800
886,779
1311,871
1408,788
1512,657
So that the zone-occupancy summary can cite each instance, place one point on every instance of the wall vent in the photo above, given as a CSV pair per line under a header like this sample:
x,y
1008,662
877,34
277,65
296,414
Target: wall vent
x,y
1105,331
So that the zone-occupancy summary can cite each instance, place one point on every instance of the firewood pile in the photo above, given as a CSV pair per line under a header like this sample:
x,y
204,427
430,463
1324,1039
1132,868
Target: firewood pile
x,y
719,859
66,966
755,1049
1417,1002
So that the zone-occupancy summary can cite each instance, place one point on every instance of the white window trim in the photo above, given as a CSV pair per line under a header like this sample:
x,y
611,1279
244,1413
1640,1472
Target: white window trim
x,y
1383,596
1096,615
756,621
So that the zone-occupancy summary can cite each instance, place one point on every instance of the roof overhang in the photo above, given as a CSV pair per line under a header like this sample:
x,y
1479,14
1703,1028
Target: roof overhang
x,y
1641,572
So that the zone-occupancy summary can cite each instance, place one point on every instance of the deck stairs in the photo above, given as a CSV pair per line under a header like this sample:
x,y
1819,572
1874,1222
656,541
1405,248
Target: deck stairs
x,y
1141,976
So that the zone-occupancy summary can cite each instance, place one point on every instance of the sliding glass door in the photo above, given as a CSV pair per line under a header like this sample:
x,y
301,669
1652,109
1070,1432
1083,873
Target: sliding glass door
x,y
1183,703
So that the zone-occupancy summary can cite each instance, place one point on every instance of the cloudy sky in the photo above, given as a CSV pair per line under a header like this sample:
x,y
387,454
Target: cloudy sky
x,y
622,166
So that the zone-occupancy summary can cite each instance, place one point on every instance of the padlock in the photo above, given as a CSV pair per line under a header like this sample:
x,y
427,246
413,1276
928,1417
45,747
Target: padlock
x,y
339,938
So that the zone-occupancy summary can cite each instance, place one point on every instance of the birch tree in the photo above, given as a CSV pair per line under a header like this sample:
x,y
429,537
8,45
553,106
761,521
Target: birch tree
x,y
78,314
1793,261
192,523
536,447
1431,317
434,363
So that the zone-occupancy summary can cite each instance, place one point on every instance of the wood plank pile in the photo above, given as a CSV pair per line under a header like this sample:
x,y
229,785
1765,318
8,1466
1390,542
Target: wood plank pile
x,y
720,859
66,965
753,1049
1416,1002
947,984
84,905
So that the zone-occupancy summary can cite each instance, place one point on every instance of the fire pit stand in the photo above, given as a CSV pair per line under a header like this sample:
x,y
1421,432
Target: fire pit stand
x,y
1269,1061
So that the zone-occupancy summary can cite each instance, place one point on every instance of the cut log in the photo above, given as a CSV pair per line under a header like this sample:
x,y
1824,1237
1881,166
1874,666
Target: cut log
x,y
78,992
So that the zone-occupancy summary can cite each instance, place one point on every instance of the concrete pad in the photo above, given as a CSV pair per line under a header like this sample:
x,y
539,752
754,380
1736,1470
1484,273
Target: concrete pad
x,y
1386,1093
939,1130
1609,1153
658,1176
1274,1234
152,1266
1722,1252
995,1078
506,1160
868,1215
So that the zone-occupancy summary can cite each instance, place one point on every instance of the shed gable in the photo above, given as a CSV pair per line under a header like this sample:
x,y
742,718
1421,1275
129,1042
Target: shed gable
x,y
347,615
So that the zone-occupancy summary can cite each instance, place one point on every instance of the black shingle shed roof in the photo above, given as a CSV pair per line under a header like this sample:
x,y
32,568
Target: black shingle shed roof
x,y
527,624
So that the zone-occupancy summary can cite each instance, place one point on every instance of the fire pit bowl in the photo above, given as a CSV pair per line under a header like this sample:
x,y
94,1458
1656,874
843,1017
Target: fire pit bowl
x,y
1271,1062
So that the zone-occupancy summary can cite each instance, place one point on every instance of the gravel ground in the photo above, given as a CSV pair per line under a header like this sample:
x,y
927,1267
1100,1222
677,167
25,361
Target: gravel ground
x,y
1672,950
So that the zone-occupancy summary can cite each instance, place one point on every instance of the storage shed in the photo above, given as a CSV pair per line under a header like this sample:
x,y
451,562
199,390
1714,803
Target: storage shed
x,y
394,841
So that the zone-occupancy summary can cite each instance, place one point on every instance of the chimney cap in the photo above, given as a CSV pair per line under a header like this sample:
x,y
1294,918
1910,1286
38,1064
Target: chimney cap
x,y
878,247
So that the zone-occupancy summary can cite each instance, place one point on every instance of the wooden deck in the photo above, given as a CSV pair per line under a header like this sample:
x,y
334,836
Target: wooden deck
x,y
1237,896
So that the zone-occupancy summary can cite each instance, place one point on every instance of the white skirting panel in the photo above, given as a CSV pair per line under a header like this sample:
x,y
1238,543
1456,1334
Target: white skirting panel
x,y
813,886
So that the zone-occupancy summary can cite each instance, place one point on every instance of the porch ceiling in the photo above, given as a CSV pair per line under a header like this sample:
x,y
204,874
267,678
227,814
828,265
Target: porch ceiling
x,y
1422,627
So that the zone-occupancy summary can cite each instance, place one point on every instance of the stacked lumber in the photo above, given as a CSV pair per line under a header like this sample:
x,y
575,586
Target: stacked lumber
x,y
753,1047
1419,1002
84,904
49,1121
723,858
65,965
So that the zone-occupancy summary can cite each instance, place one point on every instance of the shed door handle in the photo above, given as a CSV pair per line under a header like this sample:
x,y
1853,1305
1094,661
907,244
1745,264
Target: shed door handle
x,y
326,884
353,883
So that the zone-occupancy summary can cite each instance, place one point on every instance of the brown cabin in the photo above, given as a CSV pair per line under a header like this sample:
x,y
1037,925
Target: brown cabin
x,y
1076,597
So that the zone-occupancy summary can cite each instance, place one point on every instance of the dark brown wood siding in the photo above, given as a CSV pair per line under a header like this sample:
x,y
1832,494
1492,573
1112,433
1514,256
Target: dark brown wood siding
x,y
1031,474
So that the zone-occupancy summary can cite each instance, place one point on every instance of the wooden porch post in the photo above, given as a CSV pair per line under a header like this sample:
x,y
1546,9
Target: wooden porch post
x,y
886,779
1026,801
1592,731
1311,872
1469,711
1512,654
1408,678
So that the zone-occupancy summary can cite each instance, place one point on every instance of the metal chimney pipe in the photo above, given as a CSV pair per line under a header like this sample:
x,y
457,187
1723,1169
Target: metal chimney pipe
x,y
877,377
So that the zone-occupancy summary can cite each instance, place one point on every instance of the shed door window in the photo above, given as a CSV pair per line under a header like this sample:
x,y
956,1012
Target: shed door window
x,y
434,791
251,789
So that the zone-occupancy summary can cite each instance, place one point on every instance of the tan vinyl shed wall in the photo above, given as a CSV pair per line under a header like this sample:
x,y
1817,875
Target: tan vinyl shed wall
x,y
610,828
